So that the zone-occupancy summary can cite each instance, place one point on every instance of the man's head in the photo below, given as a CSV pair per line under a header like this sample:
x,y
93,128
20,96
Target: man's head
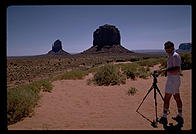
x,y
169,47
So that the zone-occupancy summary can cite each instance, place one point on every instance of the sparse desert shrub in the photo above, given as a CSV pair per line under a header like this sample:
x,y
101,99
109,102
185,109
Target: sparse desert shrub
x,y
89,81
148,62
108,61
143,72
130,74
186,59
20,103
108,74
46,85
93,69
132,91
134,70
120,60
146,58
134,59
163,62
130,70
22,99
74,74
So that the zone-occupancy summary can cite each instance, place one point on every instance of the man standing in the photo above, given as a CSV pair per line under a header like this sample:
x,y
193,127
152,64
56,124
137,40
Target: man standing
x,y
173,83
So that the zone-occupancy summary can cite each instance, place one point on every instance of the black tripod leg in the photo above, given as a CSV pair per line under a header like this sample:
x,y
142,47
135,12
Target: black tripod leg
x,y
155,98
160,93
144,98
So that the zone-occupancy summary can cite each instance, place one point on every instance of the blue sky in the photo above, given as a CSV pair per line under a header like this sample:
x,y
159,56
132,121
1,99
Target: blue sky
x,y
31,30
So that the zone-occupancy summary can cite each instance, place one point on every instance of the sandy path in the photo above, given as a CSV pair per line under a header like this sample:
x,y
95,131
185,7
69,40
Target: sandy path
x,y
73,104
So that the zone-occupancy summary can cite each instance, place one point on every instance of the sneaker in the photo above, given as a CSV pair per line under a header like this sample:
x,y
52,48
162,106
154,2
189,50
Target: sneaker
x,y
179,119
162,120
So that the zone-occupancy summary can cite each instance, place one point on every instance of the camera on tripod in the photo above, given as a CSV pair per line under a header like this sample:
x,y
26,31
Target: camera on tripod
x,y
154,123
155,74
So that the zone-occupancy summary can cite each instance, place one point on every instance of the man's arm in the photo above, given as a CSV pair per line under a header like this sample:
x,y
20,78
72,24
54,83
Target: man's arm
x,y
172,70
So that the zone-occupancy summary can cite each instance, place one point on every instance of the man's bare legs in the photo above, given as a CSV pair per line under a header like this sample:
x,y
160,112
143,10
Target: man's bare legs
x,y
163,119
166,104
179,117
178,100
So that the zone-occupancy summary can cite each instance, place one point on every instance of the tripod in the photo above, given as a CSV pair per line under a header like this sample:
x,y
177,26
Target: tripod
x,y
156,89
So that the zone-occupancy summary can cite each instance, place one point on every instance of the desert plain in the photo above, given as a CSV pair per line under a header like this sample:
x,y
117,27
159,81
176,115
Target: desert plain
x,y
76,105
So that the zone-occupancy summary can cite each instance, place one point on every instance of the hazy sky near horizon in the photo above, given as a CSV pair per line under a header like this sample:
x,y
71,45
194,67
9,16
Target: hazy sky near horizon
x,y
31,30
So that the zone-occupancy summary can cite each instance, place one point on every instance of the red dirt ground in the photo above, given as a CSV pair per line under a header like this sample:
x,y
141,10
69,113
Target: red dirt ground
x,y
74,105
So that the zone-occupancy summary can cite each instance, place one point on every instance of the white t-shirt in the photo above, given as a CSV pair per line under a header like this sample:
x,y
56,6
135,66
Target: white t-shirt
x,y
173,61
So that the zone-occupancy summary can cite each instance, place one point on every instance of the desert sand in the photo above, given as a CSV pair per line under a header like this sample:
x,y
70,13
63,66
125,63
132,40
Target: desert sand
x,y
74,105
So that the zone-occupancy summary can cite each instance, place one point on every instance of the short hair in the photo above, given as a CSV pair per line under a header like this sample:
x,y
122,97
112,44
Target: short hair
x,y
169,44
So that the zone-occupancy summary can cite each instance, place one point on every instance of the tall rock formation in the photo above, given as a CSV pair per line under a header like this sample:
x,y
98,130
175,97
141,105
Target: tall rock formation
x,y
106,39
106,35
57,46
57,49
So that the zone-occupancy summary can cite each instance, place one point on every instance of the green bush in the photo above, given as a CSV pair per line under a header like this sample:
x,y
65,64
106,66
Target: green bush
x,y
22,99
133,70
148,62
74,75
130,74
186,59
130,70
163,62
20,104
89,81
93,69
109,74
46,85
143,72
132,91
